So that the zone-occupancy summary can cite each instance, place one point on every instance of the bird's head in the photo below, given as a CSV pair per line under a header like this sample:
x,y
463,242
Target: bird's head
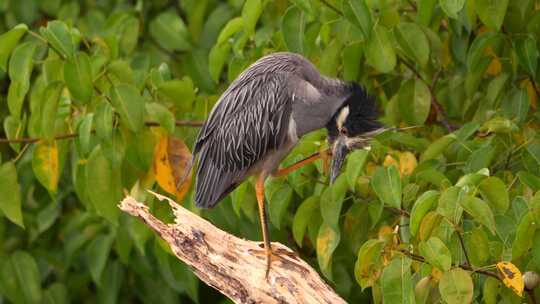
x,y
353,124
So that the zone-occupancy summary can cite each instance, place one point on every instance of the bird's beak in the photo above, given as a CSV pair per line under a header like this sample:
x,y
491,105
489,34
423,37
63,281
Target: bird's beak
x,y
343,145
339,152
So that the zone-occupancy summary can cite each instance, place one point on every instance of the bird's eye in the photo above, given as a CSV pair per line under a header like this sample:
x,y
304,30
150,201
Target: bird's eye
x,y
344,131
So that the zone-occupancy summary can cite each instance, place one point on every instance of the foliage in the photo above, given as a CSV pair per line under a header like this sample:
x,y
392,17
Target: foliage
x,y
97,98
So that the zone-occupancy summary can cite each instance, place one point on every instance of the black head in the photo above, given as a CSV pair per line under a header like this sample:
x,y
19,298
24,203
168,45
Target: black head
x,y
353,123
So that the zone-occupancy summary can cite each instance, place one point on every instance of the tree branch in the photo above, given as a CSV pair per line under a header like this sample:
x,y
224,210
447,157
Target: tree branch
x,y
434,101
234,266
180,123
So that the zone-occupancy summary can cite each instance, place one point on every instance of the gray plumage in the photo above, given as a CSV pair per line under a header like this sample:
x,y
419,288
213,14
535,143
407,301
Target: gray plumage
x,y
259,119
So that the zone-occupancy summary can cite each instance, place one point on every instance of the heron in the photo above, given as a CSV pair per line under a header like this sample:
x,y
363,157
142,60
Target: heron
x,y
260,118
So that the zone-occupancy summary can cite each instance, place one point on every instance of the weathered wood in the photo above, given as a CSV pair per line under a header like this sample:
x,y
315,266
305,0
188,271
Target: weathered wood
x,y
234,266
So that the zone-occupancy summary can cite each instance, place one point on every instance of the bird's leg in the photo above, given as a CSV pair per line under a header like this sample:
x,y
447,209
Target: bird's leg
x,y
259,190
297,165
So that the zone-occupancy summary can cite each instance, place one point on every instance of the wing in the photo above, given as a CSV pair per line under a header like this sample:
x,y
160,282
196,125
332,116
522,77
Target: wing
x,y
250,119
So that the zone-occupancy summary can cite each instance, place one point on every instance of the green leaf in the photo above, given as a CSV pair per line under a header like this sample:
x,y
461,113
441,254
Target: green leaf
x,y
437,147
478,247
85,133
232,27
450,204
491,290
426,8
104,188
517,106
293,26
480,211
14,128
380,53
162,115
219,54
525,230
20,70
250,14
279,195
78,77
302,217
49,109
55,294
476,51
421,207
436,253
452,7
327,241
413,42
130,105
396,281
387,185
61,38
45,163
330,59
179,92
169,30
103,120
534,150
527,54
8,41
10,205
352,55
20,279
332,201
491,12
414,101
494,191
97,254
456,286
355,165
529,179
358,13
367,266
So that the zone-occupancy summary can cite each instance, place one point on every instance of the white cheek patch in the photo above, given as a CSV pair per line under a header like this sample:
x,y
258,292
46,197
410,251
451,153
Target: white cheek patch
x,y
342,117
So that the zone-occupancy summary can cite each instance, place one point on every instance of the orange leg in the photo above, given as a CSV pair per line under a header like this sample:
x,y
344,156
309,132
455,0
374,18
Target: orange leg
x,y
297,165
259,190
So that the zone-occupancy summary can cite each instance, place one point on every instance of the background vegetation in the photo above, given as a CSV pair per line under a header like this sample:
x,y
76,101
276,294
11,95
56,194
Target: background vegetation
x,y
98,97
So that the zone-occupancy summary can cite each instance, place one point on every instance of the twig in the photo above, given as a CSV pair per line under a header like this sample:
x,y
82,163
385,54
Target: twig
x,y
460,237
413,5
434,101
330,6
222,260
534,86
182,123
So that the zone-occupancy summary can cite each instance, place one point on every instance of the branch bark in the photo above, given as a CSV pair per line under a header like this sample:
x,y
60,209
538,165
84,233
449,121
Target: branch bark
x,y
234,266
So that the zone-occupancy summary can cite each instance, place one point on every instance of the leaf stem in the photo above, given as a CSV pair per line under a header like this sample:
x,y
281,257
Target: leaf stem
x,y
330,6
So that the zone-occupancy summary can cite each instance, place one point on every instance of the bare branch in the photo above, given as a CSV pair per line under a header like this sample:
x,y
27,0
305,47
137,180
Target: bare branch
x,y
234,266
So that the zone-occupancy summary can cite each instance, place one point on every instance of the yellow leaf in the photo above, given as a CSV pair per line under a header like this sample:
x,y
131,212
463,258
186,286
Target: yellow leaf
x,y
407,163
171,159
531,92
495,67
512,277
45,165
390,160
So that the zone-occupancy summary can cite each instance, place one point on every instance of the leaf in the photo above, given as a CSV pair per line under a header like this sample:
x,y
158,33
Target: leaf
x,y
414,101
499,125
436,253
14,128
78,77
219,54
407,163
358,13
332,201
512,277
527,54
456,286
169,30
478,245
49,109
491,12
8,41
293,26
529,179
367,268
129,104
55,294
355,164
232,27
477,49
450,204
45,164
437,147
421,207
60,38
179,92
327,241
10,205
250,14
161,115
20,70
171,160
279,197
387,185
380,53
523,241
452,7
426,9
491,290
85,133
413,42
396,281
97,255
494,191
302,217
103,120
103,184
20,278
